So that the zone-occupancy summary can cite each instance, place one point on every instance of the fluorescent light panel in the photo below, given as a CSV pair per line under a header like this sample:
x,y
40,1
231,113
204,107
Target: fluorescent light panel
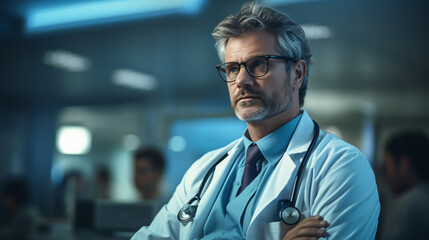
x,y
97,12
316,31
134,79
66,60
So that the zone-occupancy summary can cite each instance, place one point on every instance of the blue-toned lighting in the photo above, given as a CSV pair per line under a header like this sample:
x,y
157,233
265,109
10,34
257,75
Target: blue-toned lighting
x,y
98,12
281,2
177,144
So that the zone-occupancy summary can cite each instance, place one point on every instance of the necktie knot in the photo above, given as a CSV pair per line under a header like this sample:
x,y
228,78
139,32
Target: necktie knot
x,y
253,154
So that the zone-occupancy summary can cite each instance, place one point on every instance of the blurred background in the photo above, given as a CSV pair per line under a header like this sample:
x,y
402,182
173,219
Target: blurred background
x,y
83,84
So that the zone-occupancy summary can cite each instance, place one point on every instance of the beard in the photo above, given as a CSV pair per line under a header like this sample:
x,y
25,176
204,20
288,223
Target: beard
x,y
263,107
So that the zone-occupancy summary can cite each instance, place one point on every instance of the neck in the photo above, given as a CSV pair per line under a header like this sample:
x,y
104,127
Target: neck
x,y
259,129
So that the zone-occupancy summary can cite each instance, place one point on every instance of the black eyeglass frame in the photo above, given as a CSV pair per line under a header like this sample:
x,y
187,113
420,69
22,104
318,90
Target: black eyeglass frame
x,y
267,57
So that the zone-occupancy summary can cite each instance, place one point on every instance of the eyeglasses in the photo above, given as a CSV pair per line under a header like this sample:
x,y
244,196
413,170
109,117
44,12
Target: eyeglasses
x,y
256,67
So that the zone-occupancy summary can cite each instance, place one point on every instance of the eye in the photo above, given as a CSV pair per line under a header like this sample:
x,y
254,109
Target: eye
x,y
257,63
257,66
231,68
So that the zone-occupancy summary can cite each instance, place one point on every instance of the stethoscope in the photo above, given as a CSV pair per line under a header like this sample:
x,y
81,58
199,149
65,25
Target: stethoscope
x,y
288,213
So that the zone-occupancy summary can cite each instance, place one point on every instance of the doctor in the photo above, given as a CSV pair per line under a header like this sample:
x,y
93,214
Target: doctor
x,y
236,192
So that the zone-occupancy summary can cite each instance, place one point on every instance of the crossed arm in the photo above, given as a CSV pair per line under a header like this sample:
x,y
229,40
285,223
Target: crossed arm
x,y
310,228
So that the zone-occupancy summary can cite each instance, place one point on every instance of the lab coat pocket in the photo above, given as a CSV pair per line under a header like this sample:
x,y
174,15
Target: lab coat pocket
x,y
277,230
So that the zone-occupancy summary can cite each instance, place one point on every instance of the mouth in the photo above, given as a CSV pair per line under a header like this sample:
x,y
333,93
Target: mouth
x,y
247,98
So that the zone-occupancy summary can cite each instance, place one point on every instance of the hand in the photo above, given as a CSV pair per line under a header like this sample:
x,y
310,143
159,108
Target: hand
x,y
310,228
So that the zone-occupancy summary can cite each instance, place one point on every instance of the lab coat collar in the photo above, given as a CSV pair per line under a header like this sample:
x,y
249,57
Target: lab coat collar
x,y
303,135
281,177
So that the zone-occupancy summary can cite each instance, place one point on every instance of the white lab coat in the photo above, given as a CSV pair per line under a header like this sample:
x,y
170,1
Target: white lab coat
x,y
337,183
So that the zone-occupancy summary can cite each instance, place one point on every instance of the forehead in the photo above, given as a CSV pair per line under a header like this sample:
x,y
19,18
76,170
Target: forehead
x,y
251,44
142,162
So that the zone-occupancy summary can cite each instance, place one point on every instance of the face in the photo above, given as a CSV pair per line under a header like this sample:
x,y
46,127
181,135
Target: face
x,y
258,98
395,174
145,176
389,169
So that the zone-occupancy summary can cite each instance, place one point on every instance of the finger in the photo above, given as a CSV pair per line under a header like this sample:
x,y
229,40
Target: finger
x,y
313,223
315,217
311,232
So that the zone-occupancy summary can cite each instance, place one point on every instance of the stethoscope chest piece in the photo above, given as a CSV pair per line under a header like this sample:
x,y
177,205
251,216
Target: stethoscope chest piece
x,y
289,214
188,211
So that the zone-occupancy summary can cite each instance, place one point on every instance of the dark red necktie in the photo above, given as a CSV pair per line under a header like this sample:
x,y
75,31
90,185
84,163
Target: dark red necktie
x,y
250,172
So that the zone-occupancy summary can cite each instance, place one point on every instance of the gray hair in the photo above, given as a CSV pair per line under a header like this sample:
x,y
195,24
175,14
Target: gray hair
x,y
255,17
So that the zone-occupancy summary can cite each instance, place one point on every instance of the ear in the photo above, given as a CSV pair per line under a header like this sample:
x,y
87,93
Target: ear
x,y
298,73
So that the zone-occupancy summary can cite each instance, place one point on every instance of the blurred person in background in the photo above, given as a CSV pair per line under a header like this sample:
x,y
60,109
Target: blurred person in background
x,y
102,183
244,190
74,186
21,216
149,167
406,169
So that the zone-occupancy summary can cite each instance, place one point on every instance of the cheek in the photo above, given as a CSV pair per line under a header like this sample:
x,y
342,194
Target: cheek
x,y
273,88
231,90
390,172
277,83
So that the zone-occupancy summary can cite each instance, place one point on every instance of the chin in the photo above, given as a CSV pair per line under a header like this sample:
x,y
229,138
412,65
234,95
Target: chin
x,y
251,115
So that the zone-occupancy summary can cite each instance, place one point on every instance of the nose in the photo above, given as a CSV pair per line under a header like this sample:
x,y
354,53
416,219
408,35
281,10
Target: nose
x,y
244,78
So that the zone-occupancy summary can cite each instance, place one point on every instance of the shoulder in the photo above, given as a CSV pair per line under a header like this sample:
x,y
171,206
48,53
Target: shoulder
x,y
340,171
333,153
330,144
344,189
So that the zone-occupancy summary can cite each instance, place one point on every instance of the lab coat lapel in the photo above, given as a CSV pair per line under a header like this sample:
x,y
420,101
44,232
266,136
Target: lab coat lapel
x,y
282,175
277,182
213,188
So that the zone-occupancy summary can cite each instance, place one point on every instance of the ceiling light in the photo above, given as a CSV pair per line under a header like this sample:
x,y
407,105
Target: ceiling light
x,y
133,79
83,13
73,140
316,31
67,61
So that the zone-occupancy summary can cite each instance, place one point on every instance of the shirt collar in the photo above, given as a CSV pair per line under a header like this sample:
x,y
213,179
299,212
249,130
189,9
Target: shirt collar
x,y
274,145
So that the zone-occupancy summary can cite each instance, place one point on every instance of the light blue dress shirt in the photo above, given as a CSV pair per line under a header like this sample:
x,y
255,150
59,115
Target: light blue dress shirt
x,y
231,214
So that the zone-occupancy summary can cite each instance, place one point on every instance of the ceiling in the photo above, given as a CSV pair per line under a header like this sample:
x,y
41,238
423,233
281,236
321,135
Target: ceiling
x,y
376,57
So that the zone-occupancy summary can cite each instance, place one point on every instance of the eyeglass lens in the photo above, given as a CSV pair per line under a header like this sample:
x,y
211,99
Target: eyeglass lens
x,y
256,67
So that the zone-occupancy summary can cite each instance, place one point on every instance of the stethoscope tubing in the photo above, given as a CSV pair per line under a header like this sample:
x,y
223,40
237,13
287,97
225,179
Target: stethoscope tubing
x,y
188,211
304,163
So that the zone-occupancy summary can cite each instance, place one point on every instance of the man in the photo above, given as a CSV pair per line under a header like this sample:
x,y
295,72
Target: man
x,y
406,164
22,215
149,165
266,67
